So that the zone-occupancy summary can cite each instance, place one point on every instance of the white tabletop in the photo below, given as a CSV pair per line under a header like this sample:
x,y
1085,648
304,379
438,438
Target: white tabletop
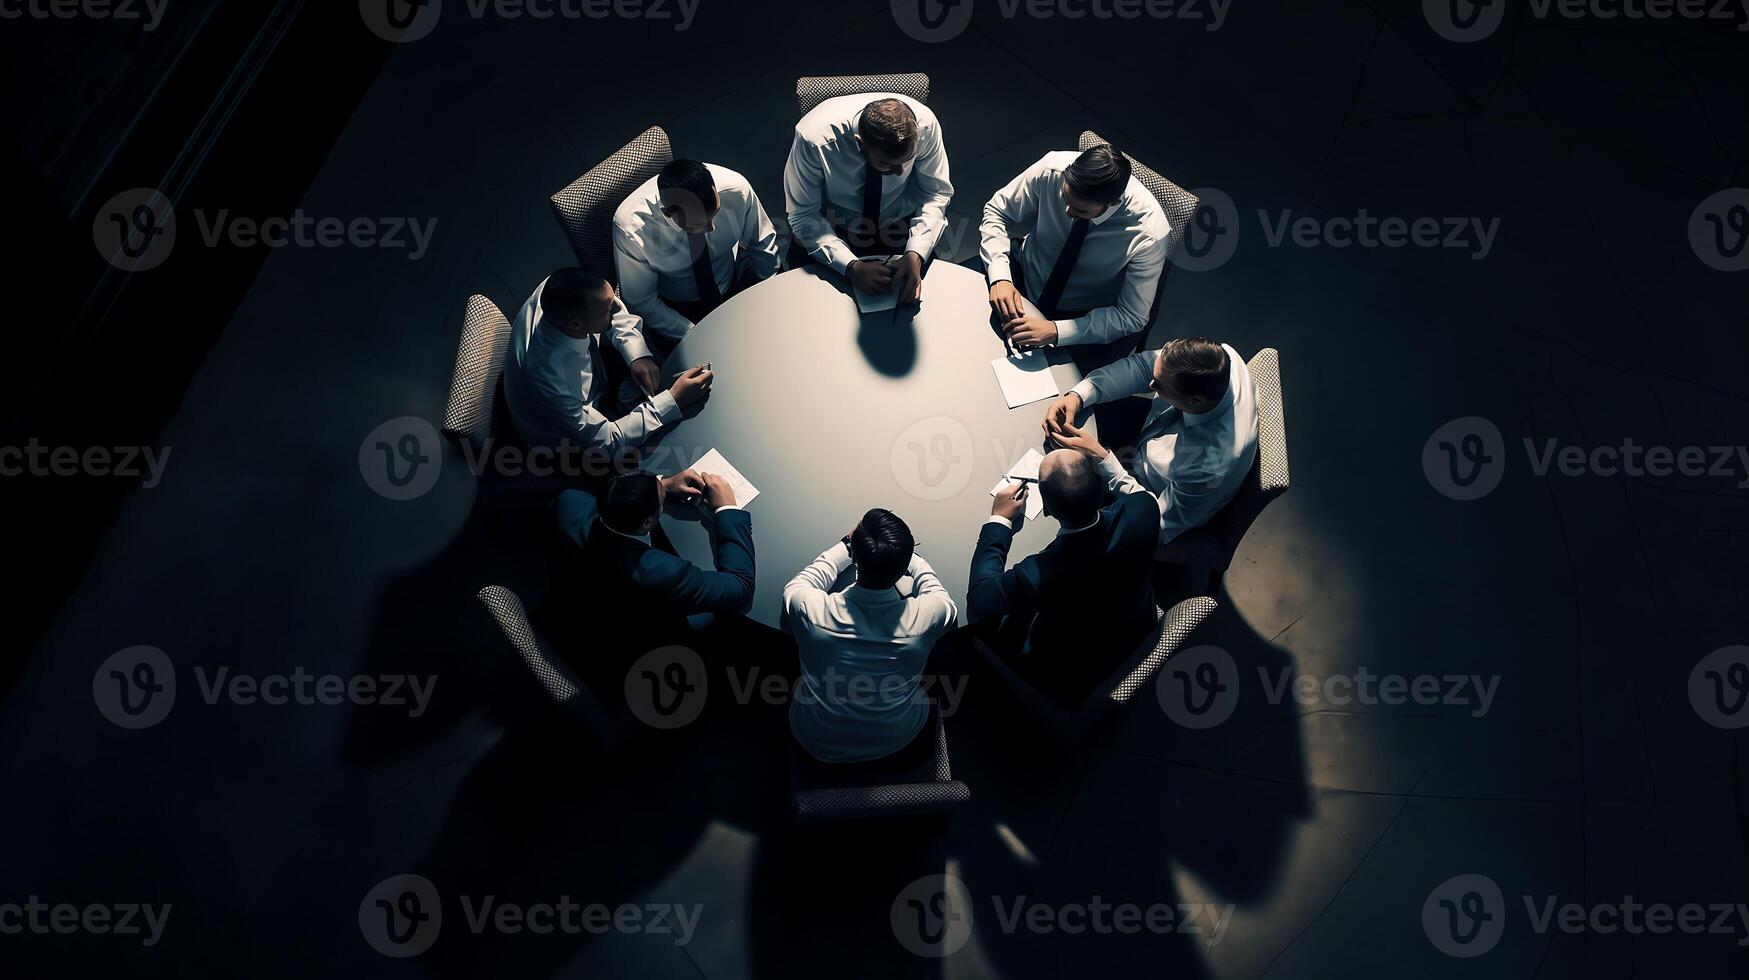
x,y
829,413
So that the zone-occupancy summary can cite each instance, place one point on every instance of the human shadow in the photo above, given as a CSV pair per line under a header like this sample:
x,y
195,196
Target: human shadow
x,y
888,340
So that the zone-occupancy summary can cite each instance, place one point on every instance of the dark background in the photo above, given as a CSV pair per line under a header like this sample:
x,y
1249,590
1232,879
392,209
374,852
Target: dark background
x,y
1591,598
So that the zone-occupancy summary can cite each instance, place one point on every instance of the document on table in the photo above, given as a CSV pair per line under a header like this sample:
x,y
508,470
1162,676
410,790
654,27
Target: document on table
x,y
869,302
1025,378
713,462
1027,467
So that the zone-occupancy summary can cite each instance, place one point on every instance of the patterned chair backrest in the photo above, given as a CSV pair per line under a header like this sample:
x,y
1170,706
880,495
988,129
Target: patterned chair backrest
x,y
479,362
1174,628
506,611
1178,203
813,90
1269,474
585,209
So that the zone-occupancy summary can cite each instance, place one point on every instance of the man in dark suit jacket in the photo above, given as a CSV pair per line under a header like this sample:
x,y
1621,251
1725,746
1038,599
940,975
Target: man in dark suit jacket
x,y
1076,609
615,596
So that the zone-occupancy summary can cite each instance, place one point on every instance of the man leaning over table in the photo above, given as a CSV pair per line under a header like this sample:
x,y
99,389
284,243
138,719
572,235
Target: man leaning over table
x,y
868,176
555,381
1092,249
1196,444
688,239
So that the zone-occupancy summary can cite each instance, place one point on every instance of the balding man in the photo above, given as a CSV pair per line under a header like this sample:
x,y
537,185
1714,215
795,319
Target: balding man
x,y
867,176
1071,613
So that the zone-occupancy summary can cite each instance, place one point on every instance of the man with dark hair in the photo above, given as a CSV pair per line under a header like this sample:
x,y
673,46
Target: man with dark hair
x,y
1196,445
687,239
555,380
1092,249
615,596
863,648
1070,614
868,178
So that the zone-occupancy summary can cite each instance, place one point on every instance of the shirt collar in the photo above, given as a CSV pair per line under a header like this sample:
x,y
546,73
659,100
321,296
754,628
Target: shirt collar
x,y
639,538
865,596
1062,531
1223,408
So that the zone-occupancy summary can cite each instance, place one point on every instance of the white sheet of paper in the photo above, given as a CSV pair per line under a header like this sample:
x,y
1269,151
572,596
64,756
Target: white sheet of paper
x,y
1027,467
713,462
875,302
1025,378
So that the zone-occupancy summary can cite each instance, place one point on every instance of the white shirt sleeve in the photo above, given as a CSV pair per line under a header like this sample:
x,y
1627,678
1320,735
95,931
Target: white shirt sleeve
x,y
931,595
929,174
758,239
631,430
1119,379
1011,213
1141,282
804,595
640,286
804,193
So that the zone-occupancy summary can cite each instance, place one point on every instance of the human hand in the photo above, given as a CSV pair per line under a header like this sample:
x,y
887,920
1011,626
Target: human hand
x,y
647,374
692,385
1071,436
908,277
1011,503
717,492
1005,299
872,277
1064,411
1031,332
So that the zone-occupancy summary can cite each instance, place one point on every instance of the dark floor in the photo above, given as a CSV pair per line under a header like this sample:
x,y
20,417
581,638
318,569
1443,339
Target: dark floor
x,y
1324,828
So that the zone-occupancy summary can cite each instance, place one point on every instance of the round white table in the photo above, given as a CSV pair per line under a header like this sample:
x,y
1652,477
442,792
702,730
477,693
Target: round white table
x,y
829,412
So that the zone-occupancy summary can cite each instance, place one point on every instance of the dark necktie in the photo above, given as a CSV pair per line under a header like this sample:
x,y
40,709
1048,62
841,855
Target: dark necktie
x,y
704,274
1053,294
870,231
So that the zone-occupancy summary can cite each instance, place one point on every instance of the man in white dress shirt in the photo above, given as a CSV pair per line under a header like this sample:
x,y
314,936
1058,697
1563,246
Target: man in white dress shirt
x,y
863,649
867,176
689,238
1198,441
554,379
1093,245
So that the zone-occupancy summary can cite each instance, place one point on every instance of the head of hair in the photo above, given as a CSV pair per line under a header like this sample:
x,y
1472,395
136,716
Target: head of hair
x,y
567,294
631,500
881,546
1198,367
1071,486
1099,174
689,177
889,126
